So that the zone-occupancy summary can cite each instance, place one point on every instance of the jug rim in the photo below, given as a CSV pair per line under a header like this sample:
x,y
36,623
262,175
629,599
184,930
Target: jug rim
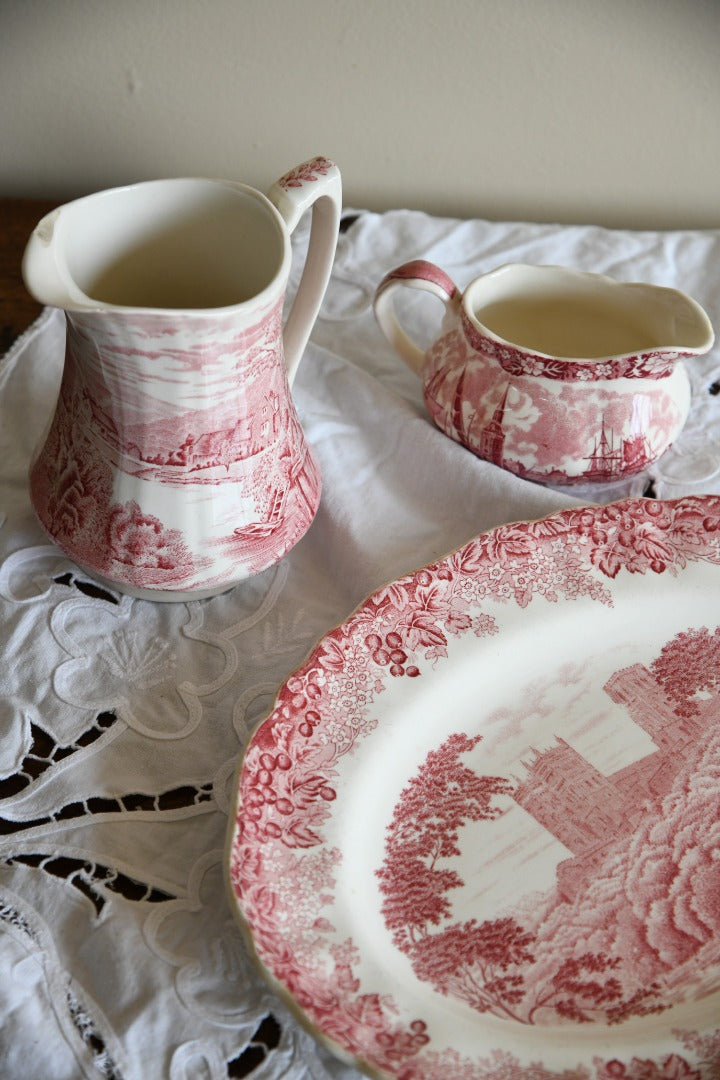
x,y
48,235
658,360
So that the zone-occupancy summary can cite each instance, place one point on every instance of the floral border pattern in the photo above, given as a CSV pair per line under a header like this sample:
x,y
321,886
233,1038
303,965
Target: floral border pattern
x,y
282,869
654,364
307,173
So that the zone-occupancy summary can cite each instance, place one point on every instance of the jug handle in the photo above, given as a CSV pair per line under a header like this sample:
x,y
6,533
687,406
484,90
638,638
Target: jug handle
x,y
317,184
417,274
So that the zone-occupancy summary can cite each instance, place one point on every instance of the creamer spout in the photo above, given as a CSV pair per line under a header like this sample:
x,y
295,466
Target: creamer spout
x,y
679,323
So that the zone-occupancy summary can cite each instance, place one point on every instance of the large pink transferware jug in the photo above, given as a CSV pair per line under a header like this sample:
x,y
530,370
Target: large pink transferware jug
x,y
175,465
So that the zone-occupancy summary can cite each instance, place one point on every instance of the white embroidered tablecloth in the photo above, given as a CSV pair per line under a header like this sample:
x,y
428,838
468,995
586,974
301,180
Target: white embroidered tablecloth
x,y
122,721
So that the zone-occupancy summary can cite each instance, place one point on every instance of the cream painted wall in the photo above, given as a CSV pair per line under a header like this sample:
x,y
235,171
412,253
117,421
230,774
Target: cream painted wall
x,y
602,111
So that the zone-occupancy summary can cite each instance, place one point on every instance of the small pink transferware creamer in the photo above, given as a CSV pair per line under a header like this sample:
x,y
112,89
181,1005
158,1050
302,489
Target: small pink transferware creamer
x,y
557,375
175,465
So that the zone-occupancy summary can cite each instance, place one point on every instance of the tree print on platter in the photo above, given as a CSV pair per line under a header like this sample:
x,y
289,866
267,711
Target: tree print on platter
x,y
632,925
530,965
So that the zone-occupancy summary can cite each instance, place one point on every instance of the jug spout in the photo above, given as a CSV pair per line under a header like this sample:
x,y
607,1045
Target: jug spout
x,y
45,271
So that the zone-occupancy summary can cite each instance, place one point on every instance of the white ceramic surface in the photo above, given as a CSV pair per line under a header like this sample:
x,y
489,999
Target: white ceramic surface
x,y
477,835
175,464
559,376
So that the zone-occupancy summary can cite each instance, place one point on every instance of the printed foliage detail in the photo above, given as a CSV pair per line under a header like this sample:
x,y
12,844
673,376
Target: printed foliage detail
x,y
307,173
441,798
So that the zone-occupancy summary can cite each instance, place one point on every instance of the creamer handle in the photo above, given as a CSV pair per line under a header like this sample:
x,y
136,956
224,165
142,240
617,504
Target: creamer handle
x,y
315,184
418,274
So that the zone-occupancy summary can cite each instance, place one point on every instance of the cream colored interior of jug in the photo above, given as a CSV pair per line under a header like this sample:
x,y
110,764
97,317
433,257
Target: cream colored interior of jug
x,y
172,244
568,327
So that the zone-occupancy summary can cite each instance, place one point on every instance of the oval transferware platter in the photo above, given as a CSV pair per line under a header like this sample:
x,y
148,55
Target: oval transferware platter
x,y
478,837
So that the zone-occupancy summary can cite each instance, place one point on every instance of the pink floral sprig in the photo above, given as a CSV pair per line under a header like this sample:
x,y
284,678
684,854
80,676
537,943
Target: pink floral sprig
x,y
307,173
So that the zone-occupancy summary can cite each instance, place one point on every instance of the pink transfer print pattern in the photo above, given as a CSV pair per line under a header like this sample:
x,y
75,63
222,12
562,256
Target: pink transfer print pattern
x,y
640,880
121,424
652,364
526,965
71,486
534,419
307,173
421,270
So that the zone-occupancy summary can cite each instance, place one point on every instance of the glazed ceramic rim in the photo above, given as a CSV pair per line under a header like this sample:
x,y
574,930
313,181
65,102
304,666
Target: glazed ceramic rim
x,y
58,221
585,279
